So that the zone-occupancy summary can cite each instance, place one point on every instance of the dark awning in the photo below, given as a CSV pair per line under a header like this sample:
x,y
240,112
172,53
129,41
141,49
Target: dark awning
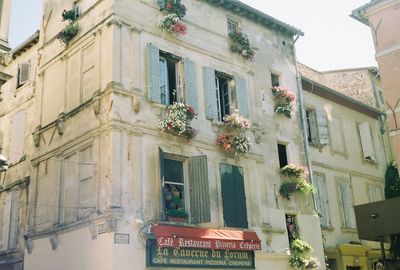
x,y
203,238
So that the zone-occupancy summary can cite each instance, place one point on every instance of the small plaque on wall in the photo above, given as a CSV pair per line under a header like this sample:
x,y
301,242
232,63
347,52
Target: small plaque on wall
x,y
121,238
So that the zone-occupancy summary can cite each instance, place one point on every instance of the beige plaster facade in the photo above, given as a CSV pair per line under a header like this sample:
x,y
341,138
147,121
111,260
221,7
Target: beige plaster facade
x,y
344,174
91,140
381,16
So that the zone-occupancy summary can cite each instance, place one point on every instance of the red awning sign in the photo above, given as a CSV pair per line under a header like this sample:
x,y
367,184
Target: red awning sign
x,y
185,237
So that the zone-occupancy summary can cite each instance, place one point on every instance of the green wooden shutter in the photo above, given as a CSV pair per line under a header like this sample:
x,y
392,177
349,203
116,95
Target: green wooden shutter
x,y
199,190
190,84
14,220
240,198
233,196
210,93
228,195
242,96
162,174
153,73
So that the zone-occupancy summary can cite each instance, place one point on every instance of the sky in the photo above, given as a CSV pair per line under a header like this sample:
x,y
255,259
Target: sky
x,y
332,39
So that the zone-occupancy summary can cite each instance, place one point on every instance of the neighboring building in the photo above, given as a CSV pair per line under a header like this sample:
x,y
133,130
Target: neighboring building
x,y
382,16
18,113
98,167
350,151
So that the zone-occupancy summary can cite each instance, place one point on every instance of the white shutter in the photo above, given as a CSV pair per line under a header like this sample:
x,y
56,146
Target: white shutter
x,y
366,141
375,193
322,127
17,137
14,220
23,73
346,199
322,200
6,220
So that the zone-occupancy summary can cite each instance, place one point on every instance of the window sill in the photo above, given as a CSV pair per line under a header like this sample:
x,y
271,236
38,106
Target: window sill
x,y
328,228
9,251
369,161
349,230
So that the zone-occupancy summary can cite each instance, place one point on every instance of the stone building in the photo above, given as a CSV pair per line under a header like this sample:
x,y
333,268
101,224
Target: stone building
x,y
382,16
95,175
350,151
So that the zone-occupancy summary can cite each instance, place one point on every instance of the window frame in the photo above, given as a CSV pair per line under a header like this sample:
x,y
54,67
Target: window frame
x,y
231,22
341,135
278,77
169,58
224,103
21,66
312,126
286,145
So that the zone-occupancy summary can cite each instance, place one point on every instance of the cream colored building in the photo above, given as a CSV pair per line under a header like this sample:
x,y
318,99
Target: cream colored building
x,y
94,159
350,152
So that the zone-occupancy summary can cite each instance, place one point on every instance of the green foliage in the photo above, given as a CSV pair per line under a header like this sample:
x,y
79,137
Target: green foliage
x,y
69,15
299,247
295,182
392,190
68,33
392,183
180,213
240,44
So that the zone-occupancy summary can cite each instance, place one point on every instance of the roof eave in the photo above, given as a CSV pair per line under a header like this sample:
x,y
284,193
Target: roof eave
x,y
241,8
339,98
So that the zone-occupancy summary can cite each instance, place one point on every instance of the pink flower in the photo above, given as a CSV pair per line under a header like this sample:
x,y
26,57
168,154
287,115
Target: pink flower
x,y
180,28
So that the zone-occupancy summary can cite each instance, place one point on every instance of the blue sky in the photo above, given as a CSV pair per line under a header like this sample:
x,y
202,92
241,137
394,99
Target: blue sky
x,y
332,39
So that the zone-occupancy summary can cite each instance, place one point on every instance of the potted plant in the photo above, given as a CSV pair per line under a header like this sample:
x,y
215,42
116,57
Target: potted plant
x,y
284,99
300,258
70,15
240,44
172,21
295,181
177,215
68,33
177,121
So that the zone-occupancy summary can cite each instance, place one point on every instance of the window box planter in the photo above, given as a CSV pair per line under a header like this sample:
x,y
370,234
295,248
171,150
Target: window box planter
x,y
70,15
295,181
284,100
68,33
240,44
177,121
172,22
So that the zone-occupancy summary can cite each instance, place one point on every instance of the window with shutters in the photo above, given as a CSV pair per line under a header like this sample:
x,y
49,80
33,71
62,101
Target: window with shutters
x,y
184,187
317,127
346,204
223,93
321,199
367,144
17,137
375,192
77,196
170,78
23,73
233,196
9,237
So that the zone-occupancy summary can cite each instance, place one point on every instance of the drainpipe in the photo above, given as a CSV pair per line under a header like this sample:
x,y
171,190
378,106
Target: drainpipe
x,y
303,124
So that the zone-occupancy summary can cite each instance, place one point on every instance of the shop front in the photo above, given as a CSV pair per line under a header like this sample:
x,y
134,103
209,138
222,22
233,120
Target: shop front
x,y
186,247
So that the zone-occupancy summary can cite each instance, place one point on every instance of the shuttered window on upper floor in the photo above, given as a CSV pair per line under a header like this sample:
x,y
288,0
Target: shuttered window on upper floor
x,y
346,204
170,78
17,137
188,194
321,199
233,196
10,223
367,144
317,127
23,73
223,93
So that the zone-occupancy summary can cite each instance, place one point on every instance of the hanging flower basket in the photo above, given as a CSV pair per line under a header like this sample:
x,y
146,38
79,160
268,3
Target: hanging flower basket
x,y
173,25
172,22
240,44
68,33
237,121
234,144
284,100
177,121
69,15
300,258
295,181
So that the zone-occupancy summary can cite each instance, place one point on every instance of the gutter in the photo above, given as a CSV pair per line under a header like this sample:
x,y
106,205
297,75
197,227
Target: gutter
x,y
303,125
